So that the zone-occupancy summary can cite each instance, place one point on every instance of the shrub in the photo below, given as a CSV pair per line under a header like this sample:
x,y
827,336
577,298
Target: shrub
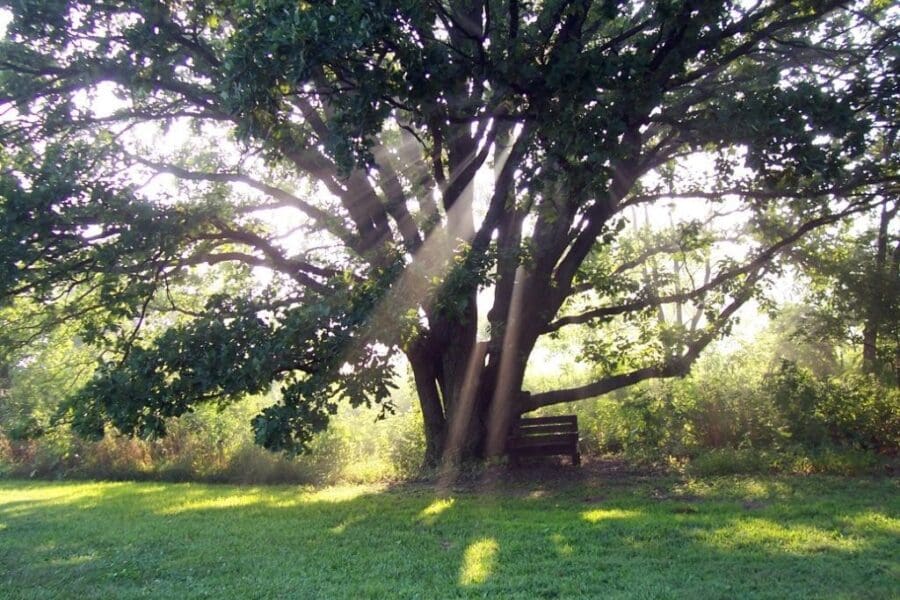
x,y
407,445
655,419
251,464
855,411
797,395
113,457
725,405
603,426
860,412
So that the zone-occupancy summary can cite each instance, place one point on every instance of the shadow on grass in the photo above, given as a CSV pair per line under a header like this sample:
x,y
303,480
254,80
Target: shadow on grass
x,y
777,538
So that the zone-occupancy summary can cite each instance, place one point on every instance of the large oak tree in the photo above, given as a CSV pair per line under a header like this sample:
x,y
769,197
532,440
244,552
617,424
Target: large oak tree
x,y
427,156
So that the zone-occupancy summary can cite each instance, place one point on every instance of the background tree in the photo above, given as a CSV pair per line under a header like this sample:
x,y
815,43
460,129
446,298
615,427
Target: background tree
x,y
392,165
855,288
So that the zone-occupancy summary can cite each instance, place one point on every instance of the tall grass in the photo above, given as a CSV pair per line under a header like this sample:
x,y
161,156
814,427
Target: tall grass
x,y
217,446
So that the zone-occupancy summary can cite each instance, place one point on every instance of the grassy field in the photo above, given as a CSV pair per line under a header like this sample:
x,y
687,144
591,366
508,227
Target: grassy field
x,y
621,537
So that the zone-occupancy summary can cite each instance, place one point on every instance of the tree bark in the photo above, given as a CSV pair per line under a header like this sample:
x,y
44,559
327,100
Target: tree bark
x,y
434,423
894,292
877,300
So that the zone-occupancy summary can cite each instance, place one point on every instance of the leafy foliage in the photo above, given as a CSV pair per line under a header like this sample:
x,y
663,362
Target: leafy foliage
x,y
382,164
236,349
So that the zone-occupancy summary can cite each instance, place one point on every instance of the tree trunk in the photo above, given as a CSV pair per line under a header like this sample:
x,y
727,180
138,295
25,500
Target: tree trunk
x,y
893,294
467,409
878,300
434,423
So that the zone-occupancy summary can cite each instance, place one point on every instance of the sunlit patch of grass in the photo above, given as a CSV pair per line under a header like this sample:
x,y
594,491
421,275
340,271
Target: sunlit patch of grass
x,y
479,561
561,545
537,494
603,514
436,507
736,486
31,496
220,502
260,497
875,521
340,493
799,538
73,561
341,527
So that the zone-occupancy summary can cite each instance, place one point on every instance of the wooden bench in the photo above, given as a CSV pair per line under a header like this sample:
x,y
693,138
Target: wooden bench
x,y
544,436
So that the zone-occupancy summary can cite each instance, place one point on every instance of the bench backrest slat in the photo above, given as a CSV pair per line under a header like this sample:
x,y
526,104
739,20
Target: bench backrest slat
x,y
527,430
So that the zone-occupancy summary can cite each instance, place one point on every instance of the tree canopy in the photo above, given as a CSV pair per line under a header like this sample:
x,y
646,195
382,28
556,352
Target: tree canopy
x,y
394,166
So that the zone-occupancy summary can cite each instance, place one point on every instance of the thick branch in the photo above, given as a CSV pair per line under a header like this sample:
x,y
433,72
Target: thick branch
x,y
274,258
676,366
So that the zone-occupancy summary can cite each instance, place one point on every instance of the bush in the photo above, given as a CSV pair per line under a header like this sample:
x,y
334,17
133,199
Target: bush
x,y
603,426
113,457
797,394
717,406
655,421
407,447
725,404
860,412
253,465
732,415
855,411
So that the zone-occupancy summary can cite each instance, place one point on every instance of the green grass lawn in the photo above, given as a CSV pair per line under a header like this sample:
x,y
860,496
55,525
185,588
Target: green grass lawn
x,y
624,537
